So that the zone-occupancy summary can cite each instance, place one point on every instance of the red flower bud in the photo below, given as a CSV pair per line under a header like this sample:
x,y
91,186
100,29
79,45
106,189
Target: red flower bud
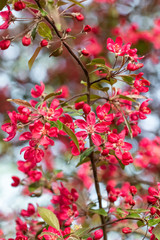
x,y
153,210
105,152
79,105
87,28
68,30
16,181
85,53
126,230
86,108
4,44
133,190
98,234
44,43
26,41
18,6
80,17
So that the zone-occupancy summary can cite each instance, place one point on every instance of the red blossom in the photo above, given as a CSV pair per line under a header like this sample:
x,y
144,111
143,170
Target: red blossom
x,y
39,90
6,16
117,47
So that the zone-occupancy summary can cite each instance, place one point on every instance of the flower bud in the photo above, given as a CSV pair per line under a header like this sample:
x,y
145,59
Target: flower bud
x,y
79,105
133,190
18,6
105,152
16,181
85,53
126,230
80,17
68,30
4,44
98,234
153,210
86,108
127,158
87,28
26,41
44,43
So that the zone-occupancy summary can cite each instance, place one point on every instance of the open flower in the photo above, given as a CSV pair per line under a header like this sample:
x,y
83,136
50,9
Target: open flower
x,y
6,16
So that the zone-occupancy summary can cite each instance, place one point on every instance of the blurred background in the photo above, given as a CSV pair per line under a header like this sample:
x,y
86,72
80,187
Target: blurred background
x,y
136,21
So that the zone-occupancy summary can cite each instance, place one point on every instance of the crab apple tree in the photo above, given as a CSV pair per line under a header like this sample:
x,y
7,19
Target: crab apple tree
x,y
95,127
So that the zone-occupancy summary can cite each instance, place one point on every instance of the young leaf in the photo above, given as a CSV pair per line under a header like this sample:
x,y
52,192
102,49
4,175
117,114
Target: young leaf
x,y
2,4
33,58
60,125
153,222
156,231
87,159
52,95
100,211
20,102
57,52
50,234
127,79
126,98
76,3
44,30
86,153
71,135
96,61
49,217
81,232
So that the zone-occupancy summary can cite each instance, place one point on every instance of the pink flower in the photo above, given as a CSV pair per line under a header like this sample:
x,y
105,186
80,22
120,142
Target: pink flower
x,y
91,127
141,84
39,90
7,16
126,230
10,128
102,113
117,47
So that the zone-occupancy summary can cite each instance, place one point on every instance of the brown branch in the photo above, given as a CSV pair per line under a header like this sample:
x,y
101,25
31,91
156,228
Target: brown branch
x,y
51,22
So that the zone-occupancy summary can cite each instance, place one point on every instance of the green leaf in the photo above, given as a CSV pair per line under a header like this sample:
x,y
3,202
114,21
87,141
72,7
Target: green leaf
x,y
100,211
52,95
133,215
96,61
71,135
140,223
44,30
76,3
153,222
32,187
81,232
127,79
38,104
33,33
31,5
87,159
49,217
2,4
156,231
60,125
125,120
50,234
112,152
33,58
127,98
86,153
57,52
